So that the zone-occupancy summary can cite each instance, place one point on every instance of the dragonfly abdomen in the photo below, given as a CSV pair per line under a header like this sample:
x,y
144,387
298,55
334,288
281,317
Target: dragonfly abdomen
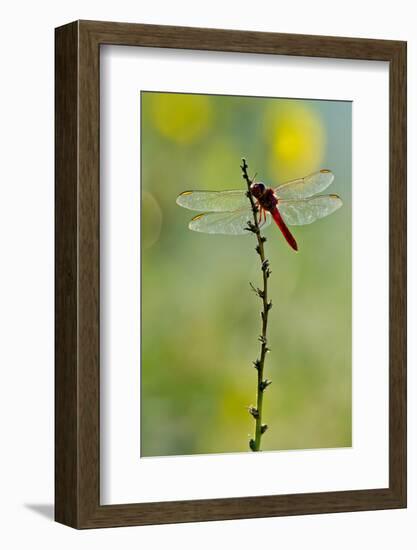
x,y
284,229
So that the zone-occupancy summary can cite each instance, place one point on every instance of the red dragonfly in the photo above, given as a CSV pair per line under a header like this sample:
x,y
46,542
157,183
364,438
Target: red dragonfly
x,y
291,203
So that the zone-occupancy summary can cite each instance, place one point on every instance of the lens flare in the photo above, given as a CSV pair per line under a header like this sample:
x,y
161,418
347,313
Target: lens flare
x,y
151,220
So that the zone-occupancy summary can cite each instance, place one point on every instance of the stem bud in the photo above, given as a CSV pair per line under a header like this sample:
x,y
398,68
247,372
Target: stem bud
x,y
264,384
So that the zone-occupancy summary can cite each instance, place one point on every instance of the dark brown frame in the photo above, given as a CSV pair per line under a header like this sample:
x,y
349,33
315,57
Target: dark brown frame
x,y
77,274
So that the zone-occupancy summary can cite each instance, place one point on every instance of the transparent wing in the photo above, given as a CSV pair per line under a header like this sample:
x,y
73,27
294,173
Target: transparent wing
x,y
305,187
305,211
213,201
225,223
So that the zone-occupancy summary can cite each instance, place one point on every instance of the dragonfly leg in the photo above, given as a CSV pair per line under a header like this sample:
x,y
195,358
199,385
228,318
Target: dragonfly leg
x,y
259,212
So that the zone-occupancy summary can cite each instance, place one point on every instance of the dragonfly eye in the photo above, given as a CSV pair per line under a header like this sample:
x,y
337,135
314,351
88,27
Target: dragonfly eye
x,y
258,189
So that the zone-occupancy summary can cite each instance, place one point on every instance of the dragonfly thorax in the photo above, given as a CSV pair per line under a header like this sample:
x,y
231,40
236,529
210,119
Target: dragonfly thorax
x,y
264,195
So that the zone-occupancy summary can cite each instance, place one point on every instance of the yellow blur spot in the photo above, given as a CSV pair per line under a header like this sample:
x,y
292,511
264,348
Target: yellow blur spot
x,y
298,140
183,118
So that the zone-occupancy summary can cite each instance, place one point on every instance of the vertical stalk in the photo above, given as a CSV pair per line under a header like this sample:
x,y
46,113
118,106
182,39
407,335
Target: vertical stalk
x,y
262,384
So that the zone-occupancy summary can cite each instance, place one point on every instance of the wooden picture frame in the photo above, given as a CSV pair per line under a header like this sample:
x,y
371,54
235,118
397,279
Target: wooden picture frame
x,y
77,404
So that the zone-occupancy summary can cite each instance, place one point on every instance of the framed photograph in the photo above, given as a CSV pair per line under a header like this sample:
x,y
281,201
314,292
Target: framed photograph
x,y
230,274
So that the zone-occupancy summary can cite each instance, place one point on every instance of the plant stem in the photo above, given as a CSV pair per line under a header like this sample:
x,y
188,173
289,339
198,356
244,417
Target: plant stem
x,y
255,443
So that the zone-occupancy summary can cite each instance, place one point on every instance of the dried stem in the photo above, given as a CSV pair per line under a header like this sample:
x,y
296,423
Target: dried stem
x,y
262,384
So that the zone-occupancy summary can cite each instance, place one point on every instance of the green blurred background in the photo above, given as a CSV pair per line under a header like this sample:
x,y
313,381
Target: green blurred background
x,y
200,321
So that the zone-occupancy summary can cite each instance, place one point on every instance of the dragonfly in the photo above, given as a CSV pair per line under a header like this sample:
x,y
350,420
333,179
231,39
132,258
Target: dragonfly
x,y
296,202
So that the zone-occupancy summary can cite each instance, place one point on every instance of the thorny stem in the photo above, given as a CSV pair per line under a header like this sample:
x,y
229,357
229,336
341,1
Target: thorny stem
x,y
256,412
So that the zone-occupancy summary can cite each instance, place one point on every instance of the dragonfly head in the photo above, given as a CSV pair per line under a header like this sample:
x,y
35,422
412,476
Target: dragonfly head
x,y
257,189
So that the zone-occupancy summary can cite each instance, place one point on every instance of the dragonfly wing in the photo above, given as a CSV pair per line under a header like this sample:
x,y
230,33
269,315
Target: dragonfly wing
x,y
213,201
225,223
305,187
305,211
